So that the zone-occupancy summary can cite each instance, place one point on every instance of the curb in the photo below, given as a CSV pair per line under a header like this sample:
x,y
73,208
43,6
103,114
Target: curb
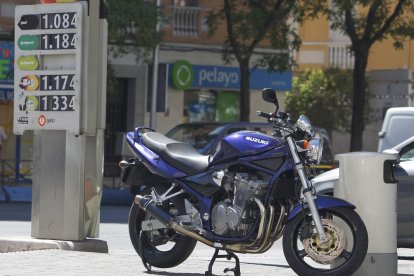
x,y
18,244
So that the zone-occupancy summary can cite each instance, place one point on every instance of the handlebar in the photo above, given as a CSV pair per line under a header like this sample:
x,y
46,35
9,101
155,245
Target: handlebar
x,y
264,114
279,120
273,116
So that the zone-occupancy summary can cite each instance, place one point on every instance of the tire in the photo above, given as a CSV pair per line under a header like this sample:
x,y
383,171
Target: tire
x,y
351,255
171,257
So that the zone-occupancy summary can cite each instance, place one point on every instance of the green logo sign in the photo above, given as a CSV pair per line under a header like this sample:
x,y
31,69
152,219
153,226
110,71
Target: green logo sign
x,y
182,75
28,42
27,63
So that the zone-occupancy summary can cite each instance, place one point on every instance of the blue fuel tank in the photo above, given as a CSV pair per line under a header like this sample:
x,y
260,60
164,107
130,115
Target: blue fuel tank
x,y
243,143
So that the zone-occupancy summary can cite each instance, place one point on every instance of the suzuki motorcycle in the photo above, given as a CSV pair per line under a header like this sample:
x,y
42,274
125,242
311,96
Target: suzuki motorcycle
x,y
254,189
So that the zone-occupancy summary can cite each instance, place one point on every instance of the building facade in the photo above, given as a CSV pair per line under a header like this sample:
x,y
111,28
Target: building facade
x,y
389,73
196,85
8,154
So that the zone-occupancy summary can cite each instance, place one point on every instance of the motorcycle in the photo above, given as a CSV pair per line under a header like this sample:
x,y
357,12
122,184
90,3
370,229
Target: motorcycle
x,y
254,189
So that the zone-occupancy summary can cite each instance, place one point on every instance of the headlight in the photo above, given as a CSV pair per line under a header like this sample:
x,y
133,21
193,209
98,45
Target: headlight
x,y
304,125
314,152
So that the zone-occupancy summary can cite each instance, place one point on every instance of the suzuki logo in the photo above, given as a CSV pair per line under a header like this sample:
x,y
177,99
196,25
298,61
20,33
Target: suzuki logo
x,y
257,140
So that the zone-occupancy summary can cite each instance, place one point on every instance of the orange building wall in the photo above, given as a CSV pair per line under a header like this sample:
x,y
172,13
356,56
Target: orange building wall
x,y
315,30
385,56
382,56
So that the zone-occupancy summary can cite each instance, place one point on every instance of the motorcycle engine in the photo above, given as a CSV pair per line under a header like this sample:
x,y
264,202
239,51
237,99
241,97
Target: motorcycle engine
x,y
236,211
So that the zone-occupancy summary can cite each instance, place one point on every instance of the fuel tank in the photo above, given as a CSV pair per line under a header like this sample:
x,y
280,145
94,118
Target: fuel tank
x,y
244,143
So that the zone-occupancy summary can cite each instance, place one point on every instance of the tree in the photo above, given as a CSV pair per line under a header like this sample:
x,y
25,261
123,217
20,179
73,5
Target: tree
x,y
131,26
248,23
367,22
325,97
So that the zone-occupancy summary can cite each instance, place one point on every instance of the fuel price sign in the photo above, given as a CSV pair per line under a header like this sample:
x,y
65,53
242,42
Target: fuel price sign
x,y
48,51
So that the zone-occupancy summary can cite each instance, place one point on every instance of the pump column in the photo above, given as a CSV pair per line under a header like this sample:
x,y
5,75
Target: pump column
x,y
60,94
366,180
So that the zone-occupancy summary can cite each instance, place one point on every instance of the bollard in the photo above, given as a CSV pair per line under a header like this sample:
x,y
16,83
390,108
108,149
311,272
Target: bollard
x,y
366,180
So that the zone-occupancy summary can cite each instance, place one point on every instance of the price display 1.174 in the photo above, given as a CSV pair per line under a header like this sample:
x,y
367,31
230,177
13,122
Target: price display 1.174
x,y
58,41
57,82
56,103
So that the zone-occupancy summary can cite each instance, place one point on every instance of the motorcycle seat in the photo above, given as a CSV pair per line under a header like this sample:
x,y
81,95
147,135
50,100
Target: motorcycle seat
x,y
180,155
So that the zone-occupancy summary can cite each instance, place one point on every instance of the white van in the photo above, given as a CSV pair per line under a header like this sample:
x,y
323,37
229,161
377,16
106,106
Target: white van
x,y
398,125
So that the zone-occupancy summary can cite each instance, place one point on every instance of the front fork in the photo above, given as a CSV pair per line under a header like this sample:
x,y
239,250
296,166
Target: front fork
x,y
307,191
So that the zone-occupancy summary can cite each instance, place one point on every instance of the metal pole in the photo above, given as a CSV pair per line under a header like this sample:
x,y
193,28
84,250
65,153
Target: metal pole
x,y
153,115
2,174
18,157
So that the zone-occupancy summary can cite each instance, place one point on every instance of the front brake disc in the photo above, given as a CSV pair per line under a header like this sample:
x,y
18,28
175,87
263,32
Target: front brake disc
x,y
326,253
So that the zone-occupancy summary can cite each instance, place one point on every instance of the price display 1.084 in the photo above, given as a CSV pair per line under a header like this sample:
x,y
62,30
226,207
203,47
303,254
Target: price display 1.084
x,y
65,20
58,41
57,82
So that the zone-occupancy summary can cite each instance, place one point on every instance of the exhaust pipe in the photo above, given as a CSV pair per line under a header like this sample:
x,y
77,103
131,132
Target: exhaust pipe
x,y
165,218
148,206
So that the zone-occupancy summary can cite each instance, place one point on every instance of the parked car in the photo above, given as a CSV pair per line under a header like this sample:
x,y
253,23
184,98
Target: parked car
x,y
205,137
397,127
404,173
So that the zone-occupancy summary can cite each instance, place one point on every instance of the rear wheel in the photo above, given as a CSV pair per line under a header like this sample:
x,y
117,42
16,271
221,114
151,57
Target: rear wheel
x,y
161,247
341,255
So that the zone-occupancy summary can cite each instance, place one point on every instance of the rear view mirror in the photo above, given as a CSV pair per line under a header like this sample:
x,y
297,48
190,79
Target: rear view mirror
x,y
269,95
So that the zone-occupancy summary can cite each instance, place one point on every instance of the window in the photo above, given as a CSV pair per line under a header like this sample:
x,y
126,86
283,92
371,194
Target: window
x,y
407,153
211,106
186,18
7,10
235,129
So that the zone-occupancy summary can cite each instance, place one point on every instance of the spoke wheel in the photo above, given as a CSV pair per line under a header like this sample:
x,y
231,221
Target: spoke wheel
x,y
342,254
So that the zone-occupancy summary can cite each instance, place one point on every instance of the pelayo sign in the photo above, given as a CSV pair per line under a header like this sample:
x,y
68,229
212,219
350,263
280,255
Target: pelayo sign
x,y
184,76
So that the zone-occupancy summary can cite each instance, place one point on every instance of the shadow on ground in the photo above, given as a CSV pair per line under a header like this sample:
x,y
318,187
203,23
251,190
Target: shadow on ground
x,y
15,211
406,258
171,273
21,211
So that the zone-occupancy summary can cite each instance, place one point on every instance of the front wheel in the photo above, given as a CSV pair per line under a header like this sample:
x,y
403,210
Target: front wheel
x,y
343,254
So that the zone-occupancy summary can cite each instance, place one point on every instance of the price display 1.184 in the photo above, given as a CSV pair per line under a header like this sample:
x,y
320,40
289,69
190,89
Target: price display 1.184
x,y
58,41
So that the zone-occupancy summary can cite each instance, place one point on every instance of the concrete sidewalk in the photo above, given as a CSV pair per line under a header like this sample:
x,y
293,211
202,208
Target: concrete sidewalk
x,y
123,260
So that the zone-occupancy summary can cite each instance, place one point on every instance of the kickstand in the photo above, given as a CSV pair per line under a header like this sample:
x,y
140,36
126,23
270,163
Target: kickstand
x,y
141,253
228,256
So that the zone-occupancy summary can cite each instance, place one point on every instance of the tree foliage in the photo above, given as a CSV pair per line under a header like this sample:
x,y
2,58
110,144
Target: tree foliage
x,y
367,22
131,26
325,97
248,23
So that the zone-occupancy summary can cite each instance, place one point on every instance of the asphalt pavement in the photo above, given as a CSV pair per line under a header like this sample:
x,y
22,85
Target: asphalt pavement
x,y
122,258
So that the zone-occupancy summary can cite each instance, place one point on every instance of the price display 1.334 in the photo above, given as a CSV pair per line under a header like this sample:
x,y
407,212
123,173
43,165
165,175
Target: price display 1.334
x,y
48,103
56,103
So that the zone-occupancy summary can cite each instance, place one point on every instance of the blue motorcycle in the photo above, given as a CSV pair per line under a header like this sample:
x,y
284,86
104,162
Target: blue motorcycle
x,y
252,190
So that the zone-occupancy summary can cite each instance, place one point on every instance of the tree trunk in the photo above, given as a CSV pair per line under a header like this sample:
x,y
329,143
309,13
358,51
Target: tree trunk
x,y
358,107
244,91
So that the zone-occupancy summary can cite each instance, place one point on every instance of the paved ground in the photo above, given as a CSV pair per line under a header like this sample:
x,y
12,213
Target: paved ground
x,y
122,259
